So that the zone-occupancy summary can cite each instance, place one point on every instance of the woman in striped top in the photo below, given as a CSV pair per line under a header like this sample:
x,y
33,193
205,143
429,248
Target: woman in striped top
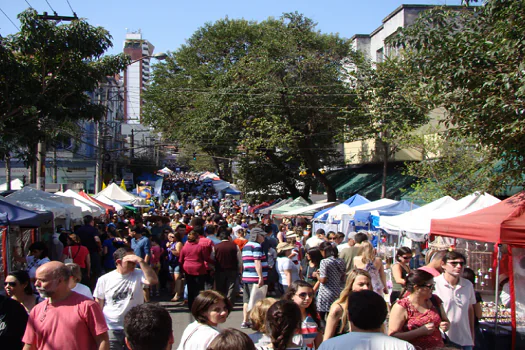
x,y
302,293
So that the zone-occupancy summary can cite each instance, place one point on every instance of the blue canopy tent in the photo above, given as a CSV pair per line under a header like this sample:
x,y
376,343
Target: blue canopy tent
x,y
364,218
353,201
232,191
22,217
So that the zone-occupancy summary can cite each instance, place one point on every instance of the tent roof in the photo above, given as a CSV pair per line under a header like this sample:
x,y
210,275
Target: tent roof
x,y
97,202
269,209
503,222
113,191
410,221
16,184
351,210
109,201
389,209
34,199
88,207
298,202
23,217
307,211
353,201
420,224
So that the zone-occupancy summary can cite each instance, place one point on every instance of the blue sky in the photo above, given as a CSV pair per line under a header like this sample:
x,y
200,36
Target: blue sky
x,y
168,23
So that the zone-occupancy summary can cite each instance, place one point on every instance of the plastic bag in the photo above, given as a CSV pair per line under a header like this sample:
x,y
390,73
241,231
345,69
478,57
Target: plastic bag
x,y
257,294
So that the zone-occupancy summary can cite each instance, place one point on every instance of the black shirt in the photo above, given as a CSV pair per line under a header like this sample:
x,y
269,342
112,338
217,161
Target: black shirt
x,y
87,234
13,320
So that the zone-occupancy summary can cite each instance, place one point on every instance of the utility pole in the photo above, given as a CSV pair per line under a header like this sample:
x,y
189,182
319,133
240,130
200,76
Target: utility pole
x,y
100,141
132,141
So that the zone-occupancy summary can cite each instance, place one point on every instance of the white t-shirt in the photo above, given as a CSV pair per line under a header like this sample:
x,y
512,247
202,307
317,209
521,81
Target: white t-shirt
x,y
456,302
120,293
365,341
313,242
197,336
284,263
83,289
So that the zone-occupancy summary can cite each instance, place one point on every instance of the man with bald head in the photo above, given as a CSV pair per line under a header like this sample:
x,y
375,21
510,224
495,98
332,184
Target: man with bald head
x,y
65,320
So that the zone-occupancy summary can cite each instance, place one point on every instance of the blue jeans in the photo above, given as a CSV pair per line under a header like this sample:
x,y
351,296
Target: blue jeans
x,y
116,339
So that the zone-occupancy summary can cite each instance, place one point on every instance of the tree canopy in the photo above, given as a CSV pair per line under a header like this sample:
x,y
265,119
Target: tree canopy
x,y
47,68
471,63
271,90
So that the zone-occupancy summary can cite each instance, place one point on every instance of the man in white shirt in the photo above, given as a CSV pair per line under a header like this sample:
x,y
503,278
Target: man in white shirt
x,y
458,299
120,290
367,312
314,241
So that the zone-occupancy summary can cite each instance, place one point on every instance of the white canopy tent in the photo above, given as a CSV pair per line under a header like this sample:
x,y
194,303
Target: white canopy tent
x,y
32,199
113,191
108,201
16,184
417,225
165,171
307,211
88,208
346,210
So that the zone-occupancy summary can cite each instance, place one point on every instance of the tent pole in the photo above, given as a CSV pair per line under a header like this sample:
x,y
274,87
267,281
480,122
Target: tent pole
x,y
496,296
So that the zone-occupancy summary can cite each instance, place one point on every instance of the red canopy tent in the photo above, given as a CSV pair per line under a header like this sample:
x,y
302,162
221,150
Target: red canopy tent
x,y
97,202
501,223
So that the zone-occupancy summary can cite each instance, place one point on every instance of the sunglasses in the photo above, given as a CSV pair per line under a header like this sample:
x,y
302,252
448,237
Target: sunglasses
x,y
407,257
11,284
430,286
304,295
455,263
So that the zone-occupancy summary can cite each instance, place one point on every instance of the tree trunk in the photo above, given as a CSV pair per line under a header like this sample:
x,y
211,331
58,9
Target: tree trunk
x,y
290,186
313,164
217,166
227,170
41,167
8,171
385,168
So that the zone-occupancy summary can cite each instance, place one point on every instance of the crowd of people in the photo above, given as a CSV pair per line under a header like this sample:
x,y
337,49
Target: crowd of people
x,y
90,288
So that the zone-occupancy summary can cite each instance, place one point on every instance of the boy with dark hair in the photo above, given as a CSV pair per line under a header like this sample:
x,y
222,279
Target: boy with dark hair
x,y
367,312
148,327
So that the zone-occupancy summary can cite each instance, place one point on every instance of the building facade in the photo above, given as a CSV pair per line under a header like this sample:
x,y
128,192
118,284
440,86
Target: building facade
x,y
137,75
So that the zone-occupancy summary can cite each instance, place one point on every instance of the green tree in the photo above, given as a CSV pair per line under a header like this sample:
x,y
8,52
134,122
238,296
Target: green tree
x,y
451,166
471,63
56,64
387,110
271,90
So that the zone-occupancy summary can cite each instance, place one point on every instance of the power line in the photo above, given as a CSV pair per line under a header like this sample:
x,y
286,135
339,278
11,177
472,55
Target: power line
x,y
27,2
13,23
51,7
74,14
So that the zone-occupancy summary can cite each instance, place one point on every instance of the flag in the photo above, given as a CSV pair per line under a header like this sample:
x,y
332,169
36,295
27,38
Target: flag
x,y
123,185
103,185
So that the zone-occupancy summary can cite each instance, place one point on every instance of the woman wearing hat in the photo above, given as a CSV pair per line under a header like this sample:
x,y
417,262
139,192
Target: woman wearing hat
x,y
288,271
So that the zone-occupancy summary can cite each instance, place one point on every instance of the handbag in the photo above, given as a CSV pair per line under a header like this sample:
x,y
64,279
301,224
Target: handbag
x,y
446,340
69,259
257,294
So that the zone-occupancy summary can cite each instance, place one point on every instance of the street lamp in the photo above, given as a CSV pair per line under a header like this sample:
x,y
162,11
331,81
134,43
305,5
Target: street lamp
x,y
100,133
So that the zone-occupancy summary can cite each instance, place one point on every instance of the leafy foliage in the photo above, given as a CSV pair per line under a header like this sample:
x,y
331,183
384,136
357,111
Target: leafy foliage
x,y
271,90
471,63
47,68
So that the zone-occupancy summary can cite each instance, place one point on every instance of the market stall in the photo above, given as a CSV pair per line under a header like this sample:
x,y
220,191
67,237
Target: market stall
x,y
503,224
275,205
17,230
109,208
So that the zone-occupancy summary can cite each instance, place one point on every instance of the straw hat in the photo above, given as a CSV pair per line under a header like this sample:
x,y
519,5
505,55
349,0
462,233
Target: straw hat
x,y
291,234
281,247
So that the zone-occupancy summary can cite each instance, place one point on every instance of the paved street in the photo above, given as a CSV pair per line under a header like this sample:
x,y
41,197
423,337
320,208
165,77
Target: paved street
x,y
181,317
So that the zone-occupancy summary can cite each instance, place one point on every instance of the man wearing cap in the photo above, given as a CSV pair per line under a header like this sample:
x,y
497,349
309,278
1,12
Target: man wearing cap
x,y
255,269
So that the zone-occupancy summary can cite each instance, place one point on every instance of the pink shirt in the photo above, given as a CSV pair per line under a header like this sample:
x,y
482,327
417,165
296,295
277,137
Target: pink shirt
x,y
71,323
430,270
156,252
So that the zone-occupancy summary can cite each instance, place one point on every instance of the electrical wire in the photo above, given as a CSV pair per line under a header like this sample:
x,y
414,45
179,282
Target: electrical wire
x,y
74,13
51,7
27,2
13,23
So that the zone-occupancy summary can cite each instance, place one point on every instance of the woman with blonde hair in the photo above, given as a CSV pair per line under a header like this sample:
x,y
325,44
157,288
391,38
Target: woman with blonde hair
x,y
258,321
368,261
337,321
